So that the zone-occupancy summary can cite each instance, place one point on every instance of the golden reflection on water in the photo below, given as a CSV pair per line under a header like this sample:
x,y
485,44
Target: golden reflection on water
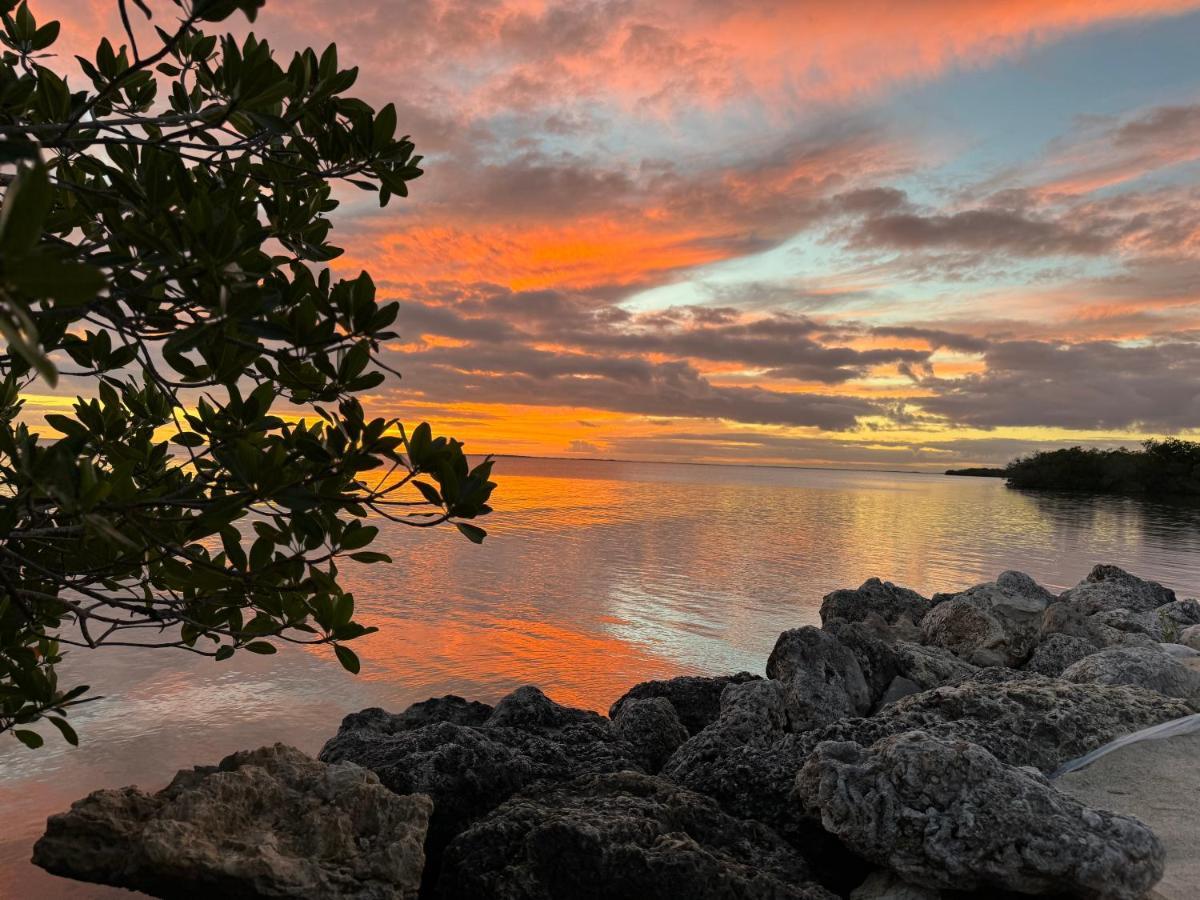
x,y
595,576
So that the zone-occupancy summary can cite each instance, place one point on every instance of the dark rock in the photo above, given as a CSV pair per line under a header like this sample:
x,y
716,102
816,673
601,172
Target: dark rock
x,y
1052,656
992,624
263,823
949,814
883,660
891,603
469,770
652,728
1176,617
622,836
450,708
1108,587
697,699
1147,667
900,688
823,679
1023,718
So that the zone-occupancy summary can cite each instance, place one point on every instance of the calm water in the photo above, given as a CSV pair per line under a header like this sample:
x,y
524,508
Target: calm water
x,y
596,575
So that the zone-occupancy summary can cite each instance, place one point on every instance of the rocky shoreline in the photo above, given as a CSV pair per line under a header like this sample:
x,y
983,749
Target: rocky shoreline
x,y
904,750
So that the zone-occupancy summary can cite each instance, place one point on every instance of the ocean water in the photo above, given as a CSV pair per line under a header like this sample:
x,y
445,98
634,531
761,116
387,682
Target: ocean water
x,y
596,575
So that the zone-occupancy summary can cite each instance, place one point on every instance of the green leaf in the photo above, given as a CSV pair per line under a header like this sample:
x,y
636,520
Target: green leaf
x,y
68,282
348,658
67,731
261,647
224,653
370,556
26,204
188,439
473,533
30,739
429,492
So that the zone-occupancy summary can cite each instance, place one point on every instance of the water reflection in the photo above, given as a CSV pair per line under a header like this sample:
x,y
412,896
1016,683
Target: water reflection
x,y
596,575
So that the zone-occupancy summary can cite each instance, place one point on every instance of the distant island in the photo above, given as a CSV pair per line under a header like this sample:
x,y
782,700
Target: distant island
x,y
1166,467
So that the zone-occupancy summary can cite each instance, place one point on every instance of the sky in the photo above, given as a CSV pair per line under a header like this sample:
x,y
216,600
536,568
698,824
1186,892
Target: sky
x,y
892,235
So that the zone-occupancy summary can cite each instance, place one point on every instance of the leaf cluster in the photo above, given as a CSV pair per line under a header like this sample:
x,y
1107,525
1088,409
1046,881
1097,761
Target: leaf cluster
x,y
164,235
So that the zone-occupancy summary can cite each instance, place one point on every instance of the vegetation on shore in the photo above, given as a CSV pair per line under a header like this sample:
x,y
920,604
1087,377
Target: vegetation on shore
x,y
1166,467
980,472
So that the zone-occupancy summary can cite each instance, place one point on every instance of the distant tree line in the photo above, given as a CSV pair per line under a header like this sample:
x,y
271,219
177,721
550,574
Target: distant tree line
x,y
1170,466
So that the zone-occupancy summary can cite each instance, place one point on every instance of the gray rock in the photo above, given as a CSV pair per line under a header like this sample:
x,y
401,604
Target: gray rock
x,y
652,728
1108,587
1061,617
900,688
892,604
1190,637
697,699
1147,667
622,836
884,659
1023,718
948,814
1177,616
1158,782
1179,651
992,624
884,885
263,823
1129,623
470,770
823,678
1052,656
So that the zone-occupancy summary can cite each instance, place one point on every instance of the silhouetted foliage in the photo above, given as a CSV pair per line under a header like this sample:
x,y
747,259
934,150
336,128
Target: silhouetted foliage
x,y
979,472
163,237
1166,467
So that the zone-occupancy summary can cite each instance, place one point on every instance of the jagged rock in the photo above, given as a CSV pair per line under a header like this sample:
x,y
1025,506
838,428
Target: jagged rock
x,y
1023,718
697,699
652,728
1052,656
900,688
894,605
263,823
992,624
884,885
1129,623
823,678
1190,637
529,709
883,660
1061,617
623,836
469,770
1108,587
1147,667
450,708
1177,616
948,814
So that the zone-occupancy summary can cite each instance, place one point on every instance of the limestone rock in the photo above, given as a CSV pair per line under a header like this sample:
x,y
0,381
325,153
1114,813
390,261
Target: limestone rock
x,y
621,836
263,823
652,728
697,699
469,770
948,814
823,678
1022,718
1190,637
450,708
992,624
1053,655
894,605
1108,587
1147,667
1177,616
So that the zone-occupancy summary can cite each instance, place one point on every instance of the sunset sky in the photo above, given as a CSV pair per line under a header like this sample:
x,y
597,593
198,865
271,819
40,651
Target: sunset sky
x,y
888,234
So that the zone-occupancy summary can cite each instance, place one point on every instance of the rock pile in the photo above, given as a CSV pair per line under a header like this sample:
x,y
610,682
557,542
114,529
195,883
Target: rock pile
x,y
901,750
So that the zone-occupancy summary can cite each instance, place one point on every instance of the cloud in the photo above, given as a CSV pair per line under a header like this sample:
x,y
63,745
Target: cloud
x,y
1091,385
